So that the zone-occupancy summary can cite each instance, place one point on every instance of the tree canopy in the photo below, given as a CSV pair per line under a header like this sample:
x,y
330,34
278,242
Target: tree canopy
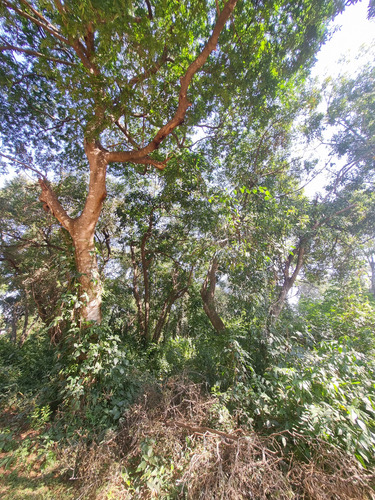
x,y
161,262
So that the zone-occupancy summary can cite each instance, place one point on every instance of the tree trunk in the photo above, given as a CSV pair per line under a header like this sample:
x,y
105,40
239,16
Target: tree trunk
x,y
288,282
13,335
277,306
25,324
171,299
82,230
208,297
89,278
137,296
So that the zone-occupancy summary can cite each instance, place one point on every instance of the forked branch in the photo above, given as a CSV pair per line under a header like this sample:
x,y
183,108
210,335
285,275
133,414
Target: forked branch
x,y
183,102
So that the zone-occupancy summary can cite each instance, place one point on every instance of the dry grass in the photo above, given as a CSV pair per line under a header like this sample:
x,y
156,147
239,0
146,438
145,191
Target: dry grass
x,y
197,453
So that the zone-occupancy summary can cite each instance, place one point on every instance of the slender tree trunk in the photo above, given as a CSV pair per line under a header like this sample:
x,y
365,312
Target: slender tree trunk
x,y
181,325
278,306
137,296
168,303
25,325
288,282
146,262
13,335
161,321
289,279
208,297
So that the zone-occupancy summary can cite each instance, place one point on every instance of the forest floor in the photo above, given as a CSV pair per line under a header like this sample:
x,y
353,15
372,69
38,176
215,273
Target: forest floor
x,y
26,472
177,442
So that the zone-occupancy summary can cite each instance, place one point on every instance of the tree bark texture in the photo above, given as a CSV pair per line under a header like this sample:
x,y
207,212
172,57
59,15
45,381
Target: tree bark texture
x,y
208,297
82,230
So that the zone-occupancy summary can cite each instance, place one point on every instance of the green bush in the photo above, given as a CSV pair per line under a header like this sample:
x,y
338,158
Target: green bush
x,y
328,392
102,375
26,370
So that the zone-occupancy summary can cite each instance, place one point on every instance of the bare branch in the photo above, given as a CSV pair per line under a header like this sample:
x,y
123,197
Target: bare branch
x,y
26,165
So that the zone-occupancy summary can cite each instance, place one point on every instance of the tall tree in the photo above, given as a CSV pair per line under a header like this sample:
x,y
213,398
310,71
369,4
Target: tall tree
x,y
110,82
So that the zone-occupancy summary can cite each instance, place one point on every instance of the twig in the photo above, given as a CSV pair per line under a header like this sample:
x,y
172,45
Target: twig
x,y
39,174
205,430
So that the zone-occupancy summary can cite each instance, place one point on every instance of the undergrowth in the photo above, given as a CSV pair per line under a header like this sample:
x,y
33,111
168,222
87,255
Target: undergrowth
x,y
178,441
105,418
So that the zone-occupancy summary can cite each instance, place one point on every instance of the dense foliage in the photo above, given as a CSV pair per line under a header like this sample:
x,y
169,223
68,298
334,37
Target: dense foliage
x,y
179,318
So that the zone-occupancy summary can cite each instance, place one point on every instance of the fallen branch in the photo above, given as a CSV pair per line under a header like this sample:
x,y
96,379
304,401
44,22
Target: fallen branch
x,y
205,430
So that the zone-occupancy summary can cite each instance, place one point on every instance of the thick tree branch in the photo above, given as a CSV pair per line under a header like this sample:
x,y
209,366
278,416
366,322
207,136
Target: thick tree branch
x,y
90,39
81,52
150,16
49,198
183,102
160,165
